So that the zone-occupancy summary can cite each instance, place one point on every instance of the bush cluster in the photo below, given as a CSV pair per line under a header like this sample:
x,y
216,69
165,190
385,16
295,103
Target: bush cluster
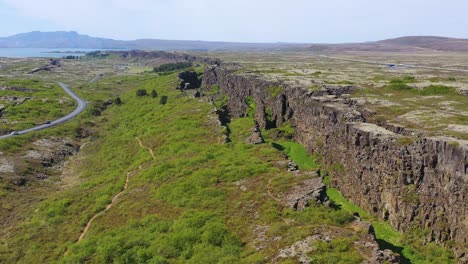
x,y
172,66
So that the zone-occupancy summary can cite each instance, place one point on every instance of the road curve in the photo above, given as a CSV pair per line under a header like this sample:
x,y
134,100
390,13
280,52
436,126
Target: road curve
x,y
80,108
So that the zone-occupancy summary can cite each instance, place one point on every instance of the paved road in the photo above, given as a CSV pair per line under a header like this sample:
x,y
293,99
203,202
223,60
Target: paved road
x,y
80,108
396,64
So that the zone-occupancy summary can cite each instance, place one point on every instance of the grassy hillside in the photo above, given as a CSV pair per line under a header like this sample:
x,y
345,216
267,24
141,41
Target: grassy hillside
x,y
190,198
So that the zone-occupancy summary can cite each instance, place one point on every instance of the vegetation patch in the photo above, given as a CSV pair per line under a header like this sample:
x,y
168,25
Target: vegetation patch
x,y
405,141
275,91
345,82
298,154
168,67
336,251
437,90
28,103
251,106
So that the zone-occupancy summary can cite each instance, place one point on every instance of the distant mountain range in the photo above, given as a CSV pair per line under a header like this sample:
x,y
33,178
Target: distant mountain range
x,y
403,44
71,39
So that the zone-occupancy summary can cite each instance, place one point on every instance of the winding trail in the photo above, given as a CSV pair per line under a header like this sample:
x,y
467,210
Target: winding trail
x,y
114,199
149,149
109,206
270,194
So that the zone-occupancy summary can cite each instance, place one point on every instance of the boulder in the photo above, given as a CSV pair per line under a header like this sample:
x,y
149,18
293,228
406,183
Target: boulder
x,y
310,191
189,80
292,166
256,137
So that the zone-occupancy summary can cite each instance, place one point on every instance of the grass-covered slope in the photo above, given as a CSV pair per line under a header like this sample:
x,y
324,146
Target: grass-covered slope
x,y
197,201
190,198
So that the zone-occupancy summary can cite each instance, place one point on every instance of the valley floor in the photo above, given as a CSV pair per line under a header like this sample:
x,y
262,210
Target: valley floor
x,y
166,183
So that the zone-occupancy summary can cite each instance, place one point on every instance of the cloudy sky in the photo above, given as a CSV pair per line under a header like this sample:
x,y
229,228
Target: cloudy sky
x,y
239,20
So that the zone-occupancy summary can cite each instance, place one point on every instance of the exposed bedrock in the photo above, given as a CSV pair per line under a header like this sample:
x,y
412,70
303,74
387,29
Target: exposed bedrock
x,y
189,80
163,57
412,183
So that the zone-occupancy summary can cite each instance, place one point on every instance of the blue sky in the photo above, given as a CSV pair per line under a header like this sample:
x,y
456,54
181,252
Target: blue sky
x,y
315,21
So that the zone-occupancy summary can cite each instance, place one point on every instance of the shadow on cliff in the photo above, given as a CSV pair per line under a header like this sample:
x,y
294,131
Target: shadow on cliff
x,y
383,244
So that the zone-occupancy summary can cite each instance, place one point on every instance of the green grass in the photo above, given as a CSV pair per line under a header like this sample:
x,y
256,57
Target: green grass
x,y
136,69
338,251
47,102
437,90
275,91
346,205
251,107
298,154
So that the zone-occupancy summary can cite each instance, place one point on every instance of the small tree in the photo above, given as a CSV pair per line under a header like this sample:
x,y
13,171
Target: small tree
x,y
141,92
154,94
163,100
118,101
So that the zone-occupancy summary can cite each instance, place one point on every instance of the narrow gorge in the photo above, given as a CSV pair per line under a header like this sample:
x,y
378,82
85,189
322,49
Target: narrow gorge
x,y
412,180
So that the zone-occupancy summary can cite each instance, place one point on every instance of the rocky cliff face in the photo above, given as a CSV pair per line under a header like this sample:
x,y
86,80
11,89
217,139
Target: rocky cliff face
x,y
163,57
417,182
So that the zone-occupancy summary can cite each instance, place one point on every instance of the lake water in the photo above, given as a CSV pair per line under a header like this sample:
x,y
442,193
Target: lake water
x,y
41,52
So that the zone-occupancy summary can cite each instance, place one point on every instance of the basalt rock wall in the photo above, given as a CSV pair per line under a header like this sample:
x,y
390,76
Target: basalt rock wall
x,y
417,182
164,57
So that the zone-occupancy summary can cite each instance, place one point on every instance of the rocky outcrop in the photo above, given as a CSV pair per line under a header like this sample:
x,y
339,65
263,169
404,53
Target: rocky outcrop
x,y
292,166
189,80
52,153
16,89
53,63
45,158
412,182
15,100
256,137
310,191
163,57
366,244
